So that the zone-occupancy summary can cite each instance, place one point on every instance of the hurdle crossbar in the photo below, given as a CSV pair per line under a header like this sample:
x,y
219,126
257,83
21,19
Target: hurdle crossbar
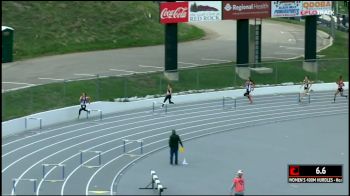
x,y
32,118
14,180
154,105
129,140
309,97
94,110
92,151
54,165
228,98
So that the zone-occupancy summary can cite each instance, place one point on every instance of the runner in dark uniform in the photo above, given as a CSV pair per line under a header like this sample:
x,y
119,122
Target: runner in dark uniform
x,y
168,95
340,89
249,86
83,100
307,85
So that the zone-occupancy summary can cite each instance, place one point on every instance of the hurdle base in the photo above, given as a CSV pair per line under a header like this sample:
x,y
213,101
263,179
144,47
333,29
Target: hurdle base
x,y
132,155
61,180
90,166
150,188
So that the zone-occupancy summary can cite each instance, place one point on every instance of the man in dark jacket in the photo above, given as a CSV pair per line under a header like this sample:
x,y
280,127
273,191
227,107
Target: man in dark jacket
x,y
174,141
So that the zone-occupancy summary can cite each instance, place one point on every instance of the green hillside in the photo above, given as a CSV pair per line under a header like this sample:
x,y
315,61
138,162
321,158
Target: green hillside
x,y
56,27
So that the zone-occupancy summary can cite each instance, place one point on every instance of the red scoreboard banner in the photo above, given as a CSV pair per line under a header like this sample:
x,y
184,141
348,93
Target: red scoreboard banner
x,y
174,12
232,10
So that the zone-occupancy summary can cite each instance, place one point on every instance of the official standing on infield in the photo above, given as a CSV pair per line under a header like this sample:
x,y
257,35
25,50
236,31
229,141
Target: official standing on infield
x,y
174,142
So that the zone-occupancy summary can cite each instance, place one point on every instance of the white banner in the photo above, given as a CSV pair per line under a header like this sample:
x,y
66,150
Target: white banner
x,y
205,11
285,8
316,8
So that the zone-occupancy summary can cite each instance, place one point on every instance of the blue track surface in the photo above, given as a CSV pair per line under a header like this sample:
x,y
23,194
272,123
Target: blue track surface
x,y
274,131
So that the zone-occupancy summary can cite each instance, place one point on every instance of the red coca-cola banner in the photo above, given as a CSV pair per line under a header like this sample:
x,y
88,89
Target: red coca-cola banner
x,y
173,12
245,9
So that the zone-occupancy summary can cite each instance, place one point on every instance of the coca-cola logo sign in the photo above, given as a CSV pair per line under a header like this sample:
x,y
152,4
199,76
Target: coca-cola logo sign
x,y
173,12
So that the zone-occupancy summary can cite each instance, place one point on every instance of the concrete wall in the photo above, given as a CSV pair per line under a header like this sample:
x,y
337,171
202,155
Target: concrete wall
x,y
71,113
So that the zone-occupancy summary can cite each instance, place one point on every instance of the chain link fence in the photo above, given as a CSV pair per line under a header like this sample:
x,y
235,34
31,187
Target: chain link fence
x,y
126,87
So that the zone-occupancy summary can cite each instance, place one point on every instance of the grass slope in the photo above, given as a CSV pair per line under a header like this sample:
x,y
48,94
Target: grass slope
x,y
55,27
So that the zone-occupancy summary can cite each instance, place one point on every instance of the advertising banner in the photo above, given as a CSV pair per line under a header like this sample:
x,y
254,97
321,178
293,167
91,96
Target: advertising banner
x,y
285,8
173,12
205,11
246,9
316,8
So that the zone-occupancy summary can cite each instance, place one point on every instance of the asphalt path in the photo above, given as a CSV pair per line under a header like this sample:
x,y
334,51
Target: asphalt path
x,y
274,131
279,41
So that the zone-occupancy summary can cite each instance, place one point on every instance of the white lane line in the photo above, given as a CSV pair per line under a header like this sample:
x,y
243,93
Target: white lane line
x,y
118,116
122,70
112,117
134,122
292,48
100,168
267,57
89,140
290,53
223,60
117,126
40,134
20,83
14,89
159,128
113,184
150,66
189,63
291,58
164,133
126,119
58,79
84,74
179,107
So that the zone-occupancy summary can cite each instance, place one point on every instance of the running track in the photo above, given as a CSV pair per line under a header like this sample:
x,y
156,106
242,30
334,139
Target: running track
x,y
24,154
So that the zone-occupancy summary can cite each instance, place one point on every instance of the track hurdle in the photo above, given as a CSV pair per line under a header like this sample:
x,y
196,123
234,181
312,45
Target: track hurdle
x,y
32,118
131,141
14,180
225,102
53,165
309,97
156,104
155,182
94,110
90,151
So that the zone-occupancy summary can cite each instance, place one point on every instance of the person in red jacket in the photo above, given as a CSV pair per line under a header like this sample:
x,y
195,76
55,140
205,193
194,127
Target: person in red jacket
x,y
238,183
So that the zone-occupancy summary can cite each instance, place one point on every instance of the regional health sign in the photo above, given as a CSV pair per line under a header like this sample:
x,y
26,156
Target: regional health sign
x,y
234,10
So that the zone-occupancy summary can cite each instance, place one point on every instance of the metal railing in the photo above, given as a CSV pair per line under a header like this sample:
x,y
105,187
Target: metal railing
x,y
107,87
